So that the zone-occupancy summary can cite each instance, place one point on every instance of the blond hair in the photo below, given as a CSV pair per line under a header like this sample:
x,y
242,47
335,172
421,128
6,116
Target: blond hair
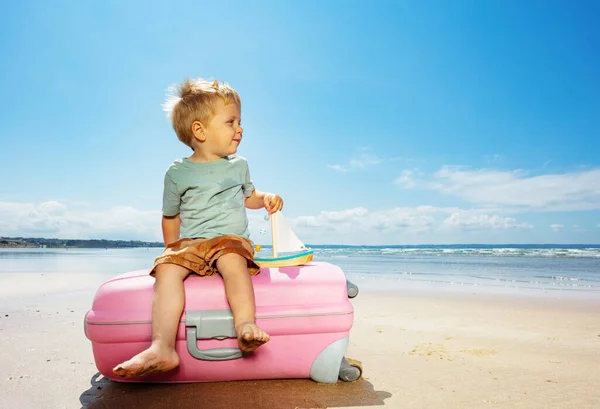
x,y
196,100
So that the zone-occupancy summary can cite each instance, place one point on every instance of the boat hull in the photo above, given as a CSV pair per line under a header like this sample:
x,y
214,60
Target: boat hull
x,y
285,261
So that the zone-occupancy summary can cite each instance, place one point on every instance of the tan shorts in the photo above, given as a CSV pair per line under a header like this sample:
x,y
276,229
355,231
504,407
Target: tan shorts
x,y
200,255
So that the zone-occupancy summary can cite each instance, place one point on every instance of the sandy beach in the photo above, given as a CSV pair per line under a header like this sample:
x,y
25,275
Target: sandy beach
x,y
425,348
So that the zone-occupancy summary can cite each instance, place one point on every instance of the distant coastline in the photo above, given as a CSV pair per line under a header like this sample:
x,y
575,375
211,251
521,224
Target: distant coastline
x,y
27,242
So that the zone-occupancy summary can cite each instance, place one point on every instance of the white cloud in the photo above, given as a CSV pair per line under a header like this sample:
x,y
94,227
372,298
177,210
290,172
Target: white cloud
x,y
54,219
338,168
410,220
471,220
359,225
361,220
363,161
493,158
513,189
57,220
406,179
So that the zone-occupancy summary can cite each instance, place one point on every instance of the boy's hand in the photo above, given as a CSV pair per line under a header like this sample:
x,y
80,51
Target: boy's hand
x,y
273,203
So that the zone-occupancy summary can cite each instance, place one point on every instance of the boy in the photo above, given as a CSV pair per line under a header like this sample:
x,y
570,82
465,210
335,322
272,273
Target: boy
x,y
204,202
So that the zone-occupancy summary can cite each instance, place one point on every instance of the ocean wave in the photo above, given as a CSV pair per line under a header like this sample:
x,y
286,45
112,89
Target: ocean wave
x,y
590,252
476,281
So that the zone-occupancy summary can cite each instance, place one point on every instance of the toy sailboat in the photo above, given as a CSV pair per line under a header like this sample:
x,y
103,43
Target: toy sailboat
x,y
288,250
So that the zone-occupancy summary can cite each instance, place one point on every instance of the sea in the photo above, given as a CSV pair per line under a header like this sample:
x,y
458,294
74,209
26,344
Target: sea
x,y
573,269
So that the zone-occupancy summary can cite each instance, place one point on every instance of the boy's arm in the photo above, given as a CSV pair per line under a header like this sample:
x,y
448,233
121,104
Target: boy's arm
x,y
170,228
269,201
256,200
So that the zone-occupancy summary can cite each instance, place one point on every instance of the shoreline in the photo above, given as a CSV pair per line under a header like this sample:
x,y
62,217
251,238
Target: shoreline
x,y
394,286
35,284
29,285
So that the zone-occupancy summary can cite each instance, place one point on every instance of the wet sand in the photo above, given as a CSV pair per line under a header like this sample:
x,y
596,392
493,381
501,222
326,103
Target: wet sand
x,y
419,349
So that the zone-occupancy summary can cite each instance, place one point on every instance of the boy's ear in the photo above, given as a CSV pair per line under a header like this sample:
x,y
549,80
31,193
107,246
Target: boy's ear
x,y
198,131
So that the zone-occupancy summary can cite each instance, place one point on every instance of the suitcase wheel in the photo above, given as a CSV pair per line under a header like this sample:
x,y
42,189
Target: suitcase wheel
x,y
352,289
350,370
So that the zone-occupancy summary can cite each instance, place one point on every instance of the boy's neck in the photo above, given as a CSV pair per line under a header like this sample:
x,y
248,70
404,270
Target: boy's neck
x,y
199,156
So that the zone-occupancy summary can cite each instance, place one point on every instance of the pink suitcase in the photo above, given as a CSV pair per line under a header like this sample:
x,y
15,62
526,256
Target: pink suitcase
x,y
304,309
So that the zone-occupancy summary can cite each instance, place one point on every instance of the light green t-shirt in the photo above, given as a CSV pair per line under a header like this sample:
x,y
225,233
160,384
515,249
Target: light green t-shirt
x,y
209,196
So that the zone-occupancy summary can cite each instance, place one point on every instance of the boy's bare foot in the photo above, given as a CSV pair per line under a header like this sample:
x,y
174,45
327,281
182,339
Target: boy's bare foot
x,y
152,360
250,337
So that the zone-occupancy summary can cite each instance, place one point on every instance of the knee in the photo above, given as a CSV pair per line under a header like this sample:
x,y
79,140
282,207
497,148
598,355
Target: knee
x,y
170,272
231,263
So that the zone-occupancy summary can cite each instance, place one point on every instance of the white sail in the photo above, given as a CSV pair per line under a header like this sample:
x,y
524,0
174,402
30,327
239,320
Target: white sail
x,y
287,241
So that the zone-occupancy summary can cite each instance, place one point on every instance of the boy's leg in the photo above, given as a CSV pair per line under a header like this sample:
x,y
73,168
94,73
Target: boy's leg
x,y
167,307
240,294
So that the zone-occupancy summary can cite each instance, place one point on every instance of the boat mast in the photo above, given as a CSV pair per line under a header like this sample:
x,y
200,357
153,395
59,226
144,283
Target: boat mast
x,y
273,235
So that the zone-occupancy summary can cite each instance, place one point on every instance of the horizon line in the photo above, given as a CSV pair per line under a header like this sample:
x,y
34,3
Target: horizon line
x,y
318,245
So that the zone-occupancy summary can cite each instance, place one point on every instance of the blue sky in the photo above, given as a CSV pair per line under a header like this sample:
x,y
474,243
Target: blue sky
x,y
377,122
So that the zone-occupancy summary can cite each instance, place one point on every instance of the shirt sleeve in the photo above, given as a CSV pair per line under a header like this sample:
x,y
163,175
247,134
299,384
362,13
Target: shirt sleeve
x,y
171,197
248,186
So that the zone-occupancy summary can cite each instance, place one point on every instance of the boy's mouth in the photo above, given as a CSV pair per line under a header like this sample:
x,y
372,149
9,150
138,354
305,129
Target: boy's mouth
x,y
238,140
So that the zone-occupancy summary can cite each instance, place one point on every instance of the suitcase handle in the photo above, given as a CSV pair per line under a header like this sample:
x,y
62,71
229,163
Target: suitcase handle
x,y
214,354
210,324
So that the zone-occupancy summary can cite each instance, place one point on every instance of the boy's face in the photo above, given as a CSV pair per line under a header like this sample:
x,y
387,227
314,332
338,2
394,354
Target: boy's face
x,y
224,132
